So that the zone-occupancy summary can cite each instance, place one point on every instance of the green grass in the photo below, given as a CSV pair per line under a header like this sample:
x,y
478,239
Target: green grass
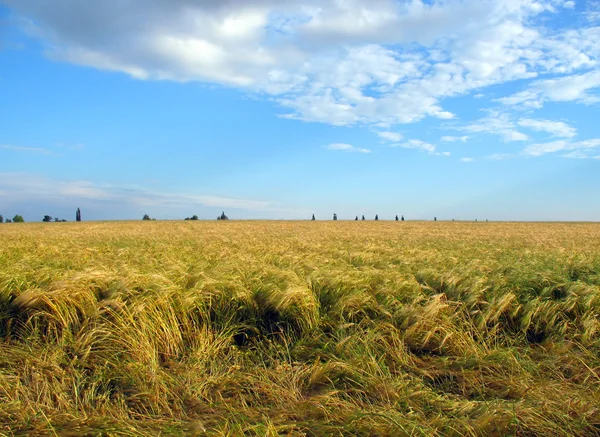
x,y
300,329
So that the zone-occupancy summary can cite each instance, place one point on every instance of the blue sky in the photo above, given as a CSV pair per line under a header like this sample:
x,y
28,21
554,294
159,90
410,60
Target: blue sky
x,y
465,109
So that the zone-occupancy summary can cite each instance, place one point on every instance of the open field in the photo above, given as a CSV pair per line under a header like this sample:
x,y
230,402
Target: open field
x,y
300,328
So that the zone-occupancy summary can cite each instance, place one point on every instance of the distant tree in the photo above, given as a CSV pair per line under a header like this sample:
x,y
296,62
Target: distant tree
x,y
435,219
1,219
222,216
356,219
194,217
56,219
8,220
18,219
396,218
78,215
47,219
187,218
334,216
313,217
376,217
146,217
363,218
402,218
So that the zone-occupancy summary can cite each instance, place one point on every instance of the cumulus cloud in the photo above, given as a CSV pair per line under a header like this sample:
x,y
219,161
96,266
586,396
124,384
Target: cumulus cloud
x,y
556,128
499,156
452,139
390,136
496,123
578,154
375,62
418,144
564,89
505,126
592,11
579,149
347,148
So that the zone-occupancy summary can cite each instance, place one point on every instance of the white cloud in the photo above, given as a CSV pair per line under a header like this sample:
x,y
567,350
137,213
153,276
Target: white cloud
x,y
499,156
556,128
81,189
503,125
496,124
581,148
34,188
592,11
451,139
578,154
515,136
544,148
36,150
390,136
375,62
417,144
564,89
347,148
467,160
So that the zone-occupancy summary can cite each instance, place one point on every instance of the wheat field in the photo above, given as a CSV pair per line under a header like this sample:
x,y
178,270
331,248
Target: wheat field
x,y
300,329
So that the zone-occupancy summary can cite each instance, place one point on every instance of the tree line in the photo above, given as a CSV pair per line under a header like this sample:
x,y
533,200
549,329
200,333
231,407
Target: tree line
x,y
335,217
16,219
47,218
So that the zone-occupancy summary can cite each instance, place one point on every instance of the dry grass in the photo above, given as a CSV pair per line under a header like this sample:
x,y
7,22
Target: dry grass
x,y
300,329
